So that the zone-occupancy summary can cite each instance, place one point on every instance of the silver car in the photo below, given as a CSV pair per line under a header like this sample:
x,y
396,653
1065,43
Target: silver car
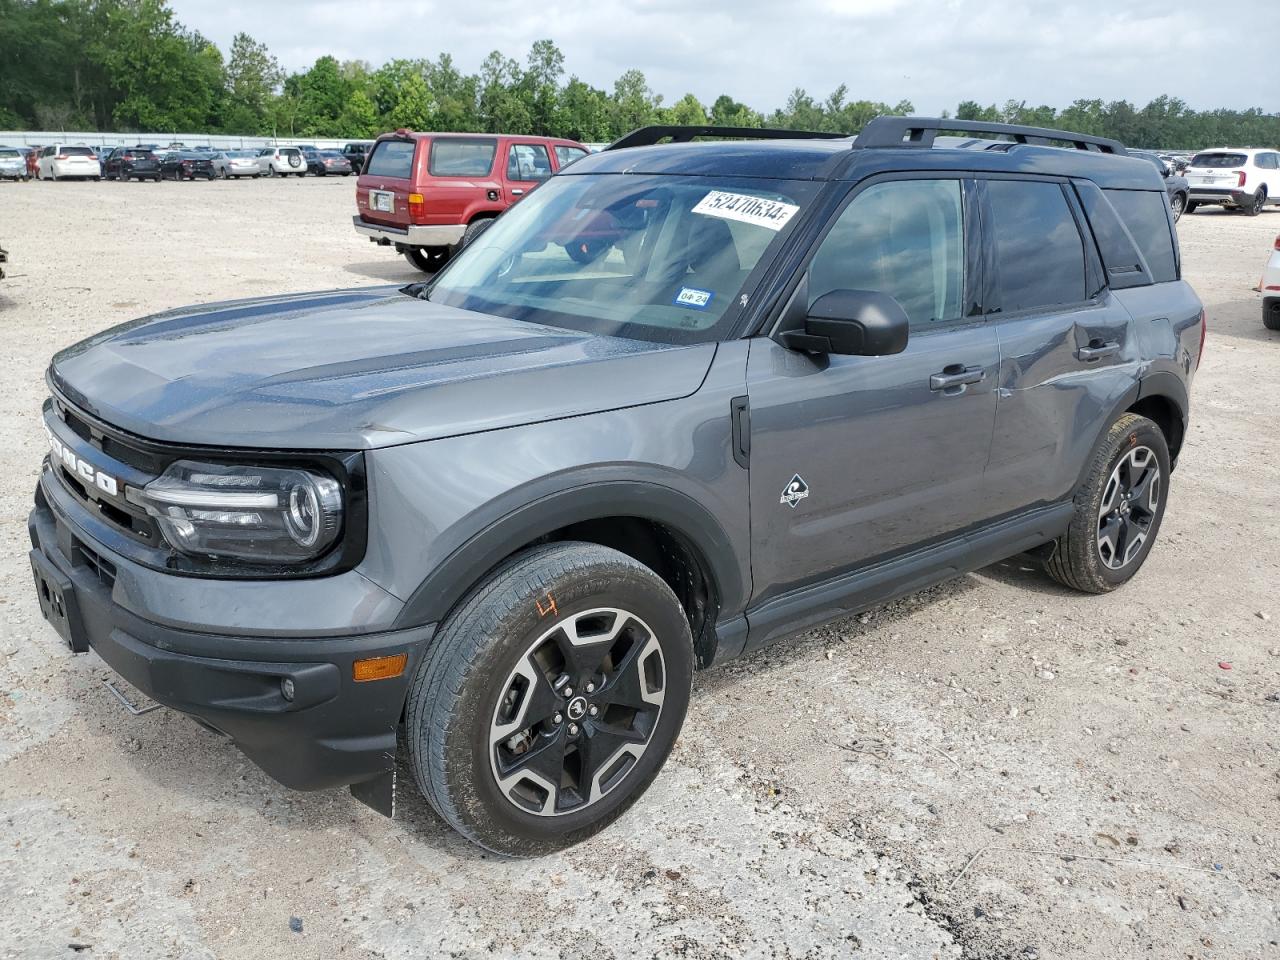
x,y
236,163
13,164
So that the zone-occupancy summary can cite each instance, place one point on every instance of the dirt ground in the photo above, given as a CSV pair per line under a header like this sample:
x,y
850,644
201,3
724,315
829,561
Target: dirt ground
x,y
994,768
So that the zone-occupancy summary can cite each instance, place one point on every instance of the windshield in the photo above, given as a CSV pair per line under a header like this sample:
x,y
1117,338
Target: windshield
x,y
6,154
649,257
1219,160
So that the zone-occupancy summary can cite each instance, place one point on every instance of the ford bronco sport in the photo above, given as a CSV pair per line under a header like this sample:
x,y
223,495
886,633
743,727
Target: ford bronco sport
x,y
685,399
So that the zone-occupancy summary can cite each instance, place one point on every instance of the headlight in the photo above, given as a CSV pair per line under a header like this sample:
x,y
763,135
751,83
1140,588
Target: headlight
x,y
262,514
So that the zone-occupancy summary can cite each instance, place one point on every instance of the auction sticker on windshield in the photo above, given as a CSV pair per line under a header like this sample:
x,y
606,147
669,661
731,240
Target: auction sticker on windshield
x,y
745,208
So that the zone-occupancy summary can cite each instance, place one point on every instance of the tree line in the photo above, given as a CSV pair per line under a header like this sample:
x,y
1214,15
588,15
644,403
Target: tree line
x,y
129,65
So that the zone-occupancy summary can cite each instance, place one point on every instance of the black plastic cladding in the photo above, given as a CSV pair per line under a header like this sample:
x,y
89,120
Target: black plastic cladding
x,y
347,467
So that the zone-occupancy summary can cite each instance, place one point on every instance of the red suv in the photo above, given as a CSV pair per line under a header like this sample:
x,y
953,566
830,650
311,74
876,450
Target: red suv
x,y
422,192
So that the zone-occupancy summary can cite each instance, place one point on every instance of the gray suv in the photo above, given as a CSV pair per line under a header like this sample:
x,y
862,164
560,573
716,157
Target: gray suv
x,y
683,400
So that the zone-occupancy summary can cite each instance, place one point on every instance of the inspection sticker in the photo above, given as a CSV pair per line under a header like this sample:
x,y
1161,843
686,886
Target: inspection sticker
x,y
745,208
693,297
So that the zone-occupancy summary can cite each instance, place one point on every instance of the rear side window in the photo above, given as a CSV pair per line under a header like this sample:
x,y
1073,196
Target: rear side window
x,y
461,158
904,238
1144,213
392,158
1039,253
1267,161
1219,160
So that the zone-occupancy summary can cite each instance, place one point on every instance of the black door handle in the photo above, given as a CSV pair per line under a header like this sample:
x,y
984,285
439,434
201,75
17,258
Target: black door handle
x,y
956,375
1097,349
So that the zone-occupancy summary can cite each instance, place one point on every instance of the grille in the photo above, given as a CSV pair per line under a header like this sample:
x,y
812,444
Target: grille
x,y
103,568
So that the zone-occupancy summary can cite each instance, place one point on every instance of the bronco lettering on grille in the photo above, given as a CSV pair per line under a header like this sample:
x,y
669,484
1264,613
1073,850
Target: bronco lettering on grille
x,y
82,469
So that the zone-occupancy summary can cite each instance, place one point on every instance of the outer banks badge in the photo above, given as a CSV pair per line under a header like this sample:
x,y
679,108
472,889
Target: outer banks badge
x,y
795,491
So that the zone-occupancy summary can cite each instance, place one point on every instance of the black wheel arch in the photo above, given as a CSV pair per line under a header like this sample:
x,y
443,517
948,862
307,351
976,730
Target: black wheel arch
x,y
660,527
1160,396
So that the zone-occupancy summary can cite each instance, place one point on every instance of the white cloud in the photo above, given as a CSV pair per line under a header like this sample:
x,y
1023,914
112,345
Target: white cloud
x,y
932,52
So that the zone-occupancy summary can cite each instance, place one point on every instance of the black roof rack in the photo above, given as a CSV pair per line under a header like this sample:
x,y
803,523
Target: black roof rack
x,y
921,131
647,136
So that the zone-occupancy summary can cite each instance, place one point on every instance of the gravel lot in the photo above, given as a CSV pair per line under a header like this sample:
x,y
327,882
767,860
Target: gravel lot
x,y
993,768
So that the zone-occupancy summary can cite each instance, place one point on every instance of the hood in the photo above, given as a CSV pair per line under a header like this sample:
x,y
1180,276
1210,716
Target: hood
x,y
356,369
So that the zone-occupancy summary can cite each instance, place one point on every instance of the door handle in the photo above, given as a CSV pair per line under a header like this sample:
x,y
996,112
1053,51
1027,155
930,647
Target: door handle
x,y
517,192
956,375
1097,349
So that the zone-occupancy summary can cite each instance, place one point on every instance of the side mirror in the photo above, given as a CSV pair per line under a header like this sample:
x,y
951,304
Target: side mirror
x,y
861,323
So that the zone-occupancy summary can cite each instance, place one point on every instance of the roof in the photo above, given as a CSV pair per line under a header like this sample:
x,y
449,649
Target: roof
x,y
837,160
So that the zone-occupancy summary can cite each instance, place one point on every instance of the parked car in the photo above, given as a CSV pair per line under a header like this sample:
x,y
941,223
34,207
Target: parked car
x,y
281,162
13,164
422,192
62,161
236,163
1175,185
683,401
1270,288
330,162
1243,179
356,153
130,163
187,165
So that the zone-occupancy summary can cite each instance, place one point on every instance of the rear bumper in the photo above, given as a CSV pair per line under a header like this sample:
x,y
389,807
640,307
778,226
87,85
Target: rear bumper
x,y
333,732
1220,195
416,235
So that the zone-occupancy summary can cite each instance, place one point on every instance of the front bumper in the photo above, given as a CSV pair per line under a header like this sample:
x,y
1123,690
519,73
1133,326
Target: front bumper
x,y
415,235
333,732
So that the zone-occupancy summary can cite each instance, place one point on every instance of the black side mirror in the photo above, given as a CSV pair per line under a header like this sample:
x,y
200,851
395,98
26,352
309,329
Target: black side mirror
x,y
860,323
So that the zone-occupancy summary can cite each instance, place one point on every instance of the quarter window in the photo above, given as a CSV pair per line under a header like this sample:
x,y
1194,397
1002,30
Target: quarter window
x,y
1143,212
1039,253
566,155
528,161
461,158
904,238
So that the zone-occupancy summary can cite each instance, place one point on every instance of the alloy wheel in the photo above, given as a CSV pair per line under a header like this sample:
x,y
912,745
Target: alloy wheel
x,y
1130,504
577,712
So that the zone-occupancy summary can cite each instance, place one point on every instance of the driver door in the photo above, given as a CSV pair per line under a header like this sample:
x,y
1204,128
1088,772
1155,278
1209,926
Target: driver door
x,y
855,459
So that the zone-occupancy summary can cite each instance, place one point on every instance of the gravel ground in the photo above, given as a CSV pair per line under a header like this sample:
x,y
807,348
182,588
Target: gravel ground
x,y
993,768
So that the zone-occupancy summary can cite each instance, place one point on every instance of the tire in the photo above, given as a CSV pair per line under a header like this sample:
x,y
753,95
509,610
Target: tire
x,y
1259,201
428,259
124,176
1192,206
1177,204
473,229
480,676
271,171
1082,558
1271,313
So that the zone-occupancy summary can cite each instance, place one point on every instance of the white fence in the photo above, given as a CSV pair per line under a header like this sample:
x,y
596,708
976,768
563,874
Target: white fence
x,y
23,138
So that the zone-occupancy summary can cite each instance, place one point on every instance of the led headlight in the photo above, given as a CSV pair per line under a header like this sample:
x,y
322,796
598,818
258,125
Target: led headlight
x,y
261,514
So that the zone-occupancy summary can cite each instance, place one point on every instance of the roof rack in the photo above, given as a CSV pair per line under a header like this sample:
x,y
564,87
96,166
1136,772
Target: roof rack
x,y
647,136
921,131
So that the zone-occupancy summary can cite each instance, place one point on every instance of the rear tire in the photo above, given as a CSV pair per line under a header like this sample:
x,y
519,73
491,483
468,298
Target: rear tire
x,y
1177,204
428,259
1259,201
1192,206
1271,313
510,684
1118,509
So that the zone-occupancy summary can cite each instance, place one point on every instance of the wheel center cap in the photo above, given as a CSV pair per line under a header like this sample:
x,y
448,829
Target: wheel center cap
x,y
577,708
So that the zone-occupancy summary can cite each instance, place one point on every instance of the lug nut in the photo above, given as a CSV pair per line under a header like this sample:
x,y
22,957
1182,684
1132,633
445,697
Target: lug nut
x,y
573,729
591,688
567,691
557,719
593,710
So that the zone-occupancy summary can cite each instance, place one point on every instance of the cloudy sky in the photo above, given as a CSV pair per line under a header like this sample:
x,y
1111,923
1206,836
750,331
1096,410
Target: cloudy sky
x,y
932,52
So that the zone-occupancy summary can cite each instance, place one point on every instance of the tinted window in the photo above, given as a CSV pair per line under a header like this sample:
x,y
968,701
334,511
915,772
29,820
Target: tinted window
x,y
528,161
461,158
566,155
904,238
1039,253
392,158
1266,161
76,152
1219,160
1143,212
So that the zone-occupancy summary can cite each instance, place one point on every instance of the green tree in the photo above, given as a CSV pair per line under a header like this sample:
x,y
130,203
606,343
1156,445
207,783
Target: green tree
x,y
686,111
252,78
634,104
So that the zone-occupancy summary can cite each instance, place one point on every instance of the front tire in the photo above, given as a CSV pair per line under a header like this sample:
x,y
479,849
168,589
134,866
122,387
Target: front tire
x,y
1118,509
550,699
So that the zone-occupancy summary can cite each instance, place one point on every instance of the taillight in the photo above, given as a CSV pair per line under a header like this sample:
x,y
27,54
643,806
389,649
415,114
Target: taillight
x,y
1204,334
61,156
1278,242
417,207
1242,179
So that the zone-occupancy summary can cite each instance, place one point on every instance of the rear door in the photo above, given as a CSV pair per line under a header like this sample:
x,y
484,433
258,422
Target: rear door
x,y
1067,354
856,459
528,163
382,193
